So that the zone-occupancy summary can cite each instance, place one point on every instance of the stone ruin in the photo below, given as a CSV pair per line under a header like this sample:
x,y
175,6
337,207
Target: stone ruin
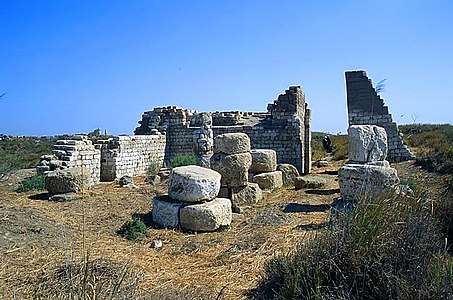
x,y
284,128
367,173
365,106
192,201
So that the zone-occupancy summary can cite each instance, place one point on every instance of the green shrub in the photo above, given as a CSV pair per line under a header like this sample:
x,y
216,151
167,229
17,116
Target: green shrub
x,y
154,166
33,183
388,248
183,160
133,229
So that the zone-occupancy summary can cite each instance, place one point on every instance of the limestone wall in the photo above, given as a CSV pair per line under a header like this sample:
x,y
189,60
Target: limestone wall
x,y
285,128
365,106
131,155
77,152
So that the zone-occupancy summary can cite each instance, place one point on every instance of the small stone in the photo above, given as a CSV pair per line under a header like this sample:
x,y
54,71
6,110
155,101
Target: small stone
x,y
193,184
232,143
263,160
65,197
246,195
309,181
156,244
322,163
66,181
270,180
125,180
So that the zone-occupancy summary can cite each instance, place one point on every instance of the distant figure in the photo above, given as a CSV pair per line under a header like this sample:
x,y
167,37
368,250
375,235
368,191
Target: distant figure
x,y
327,144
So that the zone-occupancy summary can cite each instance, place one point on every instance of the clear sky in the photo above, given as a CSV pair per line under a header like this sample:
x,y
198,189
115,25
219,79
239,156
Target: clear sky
x,y
73,66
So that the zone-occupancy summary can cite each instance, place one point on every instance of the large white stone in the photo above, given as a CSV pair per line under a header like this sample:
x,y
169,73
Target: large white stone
x,y
208,216
232,143
367,143
358,180
263,160
269,181
309,181
165,211
234,168
289,173
193,184
67,181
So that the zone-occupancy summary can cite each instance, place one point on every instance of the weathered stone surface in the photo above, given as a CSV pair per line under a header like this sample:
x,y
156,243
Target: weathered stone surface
x,y
65,197
208,216
357,180
233,167
232,143
322,163
289,173
367,143
165,211
66,181
309,181
263,160
246,195
270,180
193,184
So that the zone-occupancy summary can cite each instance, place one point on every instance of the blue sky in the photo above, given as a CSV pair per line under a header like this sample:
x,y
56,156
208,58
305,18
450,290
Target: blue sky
x,y
72,66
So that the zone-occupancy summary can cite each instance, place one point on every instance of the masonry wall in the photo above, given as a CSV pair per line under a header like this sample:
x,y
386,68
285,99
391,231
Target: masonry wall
x,y
75,153
285,128
131,155
365,106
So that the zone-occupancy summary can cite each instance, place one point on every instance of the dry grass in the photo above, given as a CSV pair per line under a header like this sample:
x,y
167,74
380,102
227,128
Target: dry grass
x,y
198,266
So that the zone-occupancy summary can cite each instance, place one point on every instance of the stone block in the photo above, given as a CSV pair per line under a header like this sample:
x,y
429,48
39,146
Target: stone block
x,y
234,168
367,143
66,181
193,184
246,195
270,180
165,211
208,216
309,182
263,160
232,143
289,173
357,180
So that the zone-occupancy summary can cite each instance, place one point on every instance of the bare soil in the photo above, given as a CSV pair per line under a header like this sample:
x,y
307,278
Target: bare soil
x,y
37,236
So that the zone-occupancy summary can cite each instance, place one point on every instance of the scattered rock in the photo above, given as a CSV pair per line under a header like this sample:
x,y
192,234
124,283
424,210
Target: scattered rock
x,y
156,244
263,160
232,143
208,216
153,179
289,173
322,163
193,184
125,180
66,181
270,180
309,181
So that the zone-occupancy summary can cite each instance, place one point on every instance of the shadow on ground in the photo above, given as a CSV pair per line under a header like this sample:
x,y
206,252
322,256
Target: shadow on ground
x,y
296,207
322,192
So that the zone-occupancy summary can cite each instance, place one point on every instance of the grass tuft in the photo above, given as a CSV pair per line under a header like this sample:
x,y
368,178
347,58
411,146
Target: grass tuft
x,y
34,183
134,229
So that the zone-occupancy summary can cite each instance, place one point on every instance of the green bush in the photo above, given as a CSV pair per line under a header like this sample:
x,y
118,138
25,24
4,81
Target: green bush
x,y
133,229
154,166
33,183
183,160
388,248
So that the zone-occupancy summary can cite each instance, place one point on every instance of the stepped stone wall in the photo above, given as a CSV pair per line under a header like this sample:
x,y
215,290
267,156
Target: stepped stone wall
x,y
285,128
131,155
77,152
365,106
